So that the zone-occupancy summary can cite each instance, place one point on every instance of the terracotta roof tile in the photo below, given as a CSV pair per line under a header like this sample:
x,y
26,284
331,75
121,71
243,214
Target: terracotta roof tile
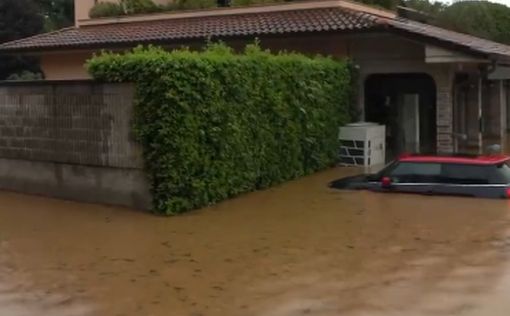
x,y
283,22
309,20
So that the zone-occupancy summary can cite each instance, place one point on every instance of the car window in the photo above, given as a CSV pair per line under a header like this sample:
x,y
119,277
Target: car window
x,y
413,172
422,172
467,174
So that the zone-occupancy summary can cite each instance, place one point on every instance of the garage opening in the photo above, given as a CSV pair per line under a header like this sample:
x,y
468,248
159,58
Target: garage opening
x,y
406,104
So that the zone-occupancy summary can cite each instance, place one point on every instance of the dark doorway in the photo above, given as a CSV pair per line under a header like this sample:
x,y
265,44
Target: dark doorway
x,y
406,104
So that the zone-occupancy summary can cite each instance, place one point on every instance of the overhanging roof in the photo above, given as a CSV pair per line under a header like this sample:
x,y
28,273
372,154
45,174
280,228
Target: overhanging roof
x,y
295,18
171,30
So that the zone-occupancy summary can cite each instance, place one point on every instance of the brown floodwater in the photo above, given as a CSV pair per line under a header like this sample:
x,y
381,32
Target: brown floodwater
x,y
297,249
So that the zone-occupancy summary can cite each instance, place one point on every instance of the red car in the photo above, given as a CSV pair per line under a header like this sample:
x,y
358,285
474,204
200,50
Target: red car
x,y
462,175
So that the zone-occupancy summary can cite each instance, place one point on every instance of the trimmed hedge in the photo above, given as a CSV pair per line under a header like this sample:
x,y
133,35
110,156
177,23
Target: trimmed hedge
x,y
215,124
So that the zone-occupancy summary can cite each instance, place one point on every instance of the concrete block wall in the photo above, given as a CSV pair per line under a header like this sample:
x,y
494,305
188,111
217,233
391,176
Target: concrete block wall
x,y
85,124
71,140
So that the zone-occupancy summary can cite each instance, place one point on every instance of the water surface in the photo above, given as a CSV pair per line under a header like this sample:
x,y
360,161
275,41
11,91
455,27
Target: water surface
x,y
298,249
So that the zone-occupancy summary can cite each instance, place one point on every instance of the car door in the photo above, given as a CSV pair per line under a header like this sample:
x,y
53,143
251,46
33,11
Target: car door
x,y
460,179
473,180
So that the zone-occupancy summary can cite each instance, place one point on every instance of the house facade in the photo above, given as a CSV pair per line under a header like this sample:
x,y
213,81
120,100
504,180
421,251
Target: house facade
x,y
434,89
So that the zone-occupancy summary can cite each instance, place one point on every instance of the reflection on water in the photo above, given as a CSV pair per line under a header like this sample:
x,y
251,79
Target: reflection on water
x,y
299,249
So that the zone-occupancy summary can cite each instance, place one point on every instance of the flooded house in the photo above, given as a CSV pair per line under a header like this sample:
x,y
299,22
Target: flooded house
x,y
451,90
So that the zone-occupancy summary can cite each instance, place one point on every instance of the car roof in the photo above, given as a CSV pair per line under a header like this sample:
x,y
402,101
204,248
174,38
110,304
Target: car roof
x,y
455,159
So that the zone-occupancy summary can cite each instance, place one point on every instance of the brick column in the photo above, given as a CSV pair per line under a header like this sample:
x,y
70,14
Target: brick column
x,y
444,110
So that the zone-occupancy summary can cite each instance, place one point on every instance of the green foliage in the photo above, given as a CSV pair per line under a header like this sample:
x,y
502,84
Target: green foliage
x,y
25,76
481,18
57,13
139,6
106,9
432,8
124,7
18,19
215,124
189,5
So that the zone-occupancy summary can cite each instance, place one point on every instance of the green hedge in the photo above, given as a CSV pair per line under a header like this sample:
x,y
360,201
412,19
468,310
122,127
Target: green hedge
x,y
215,124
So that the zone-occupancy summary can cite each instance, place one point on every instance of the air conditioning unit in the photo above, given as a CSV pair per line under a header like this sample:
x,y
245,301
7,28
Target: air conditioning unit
x,y
363,144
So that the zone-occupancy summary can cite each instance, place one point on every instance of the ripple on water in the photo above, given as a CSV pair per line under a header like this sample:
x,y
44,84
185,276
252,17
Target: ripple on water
x,y
19,297
17,301
297,249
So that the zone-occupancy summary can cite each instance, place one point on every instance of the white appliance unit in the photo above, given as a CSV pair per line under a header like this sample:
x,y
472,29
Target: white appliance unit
x,y
363,144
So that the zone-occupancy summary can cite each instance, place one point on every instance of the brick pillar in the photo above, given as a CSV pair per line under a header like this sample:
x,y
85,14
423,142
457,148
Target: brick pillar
x,y
444,110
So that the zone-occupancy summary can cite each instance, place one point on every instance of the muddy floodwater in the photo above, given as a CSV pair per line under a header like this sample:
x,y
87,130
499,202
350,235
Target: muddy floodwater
x,y
297,249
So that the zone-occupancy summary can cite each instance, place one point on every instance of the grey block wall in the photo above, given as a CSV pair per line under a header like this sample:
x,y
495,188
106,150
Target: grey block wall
x,y
71,140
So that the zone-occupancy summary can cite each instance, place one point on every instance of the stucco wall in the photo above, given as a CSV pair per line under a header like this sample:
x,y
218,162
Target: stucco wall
x,y
65,66
387,54
374,53
82,8
70,65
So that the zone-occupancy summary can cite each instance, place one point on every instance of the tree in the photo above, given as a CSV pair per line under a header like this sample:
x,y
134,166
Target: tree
x,y
481,18
57,13
428,7
18,19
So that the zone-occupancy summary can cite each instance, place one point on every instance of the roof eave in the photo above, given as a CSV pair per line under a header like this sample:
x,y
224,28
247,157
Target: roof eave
x,y
441,43
177,41
500,59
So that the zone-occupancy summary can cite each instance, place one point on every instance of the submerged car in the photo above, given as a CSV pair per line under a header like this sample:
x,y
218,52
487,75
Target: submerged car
x,y
475,176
